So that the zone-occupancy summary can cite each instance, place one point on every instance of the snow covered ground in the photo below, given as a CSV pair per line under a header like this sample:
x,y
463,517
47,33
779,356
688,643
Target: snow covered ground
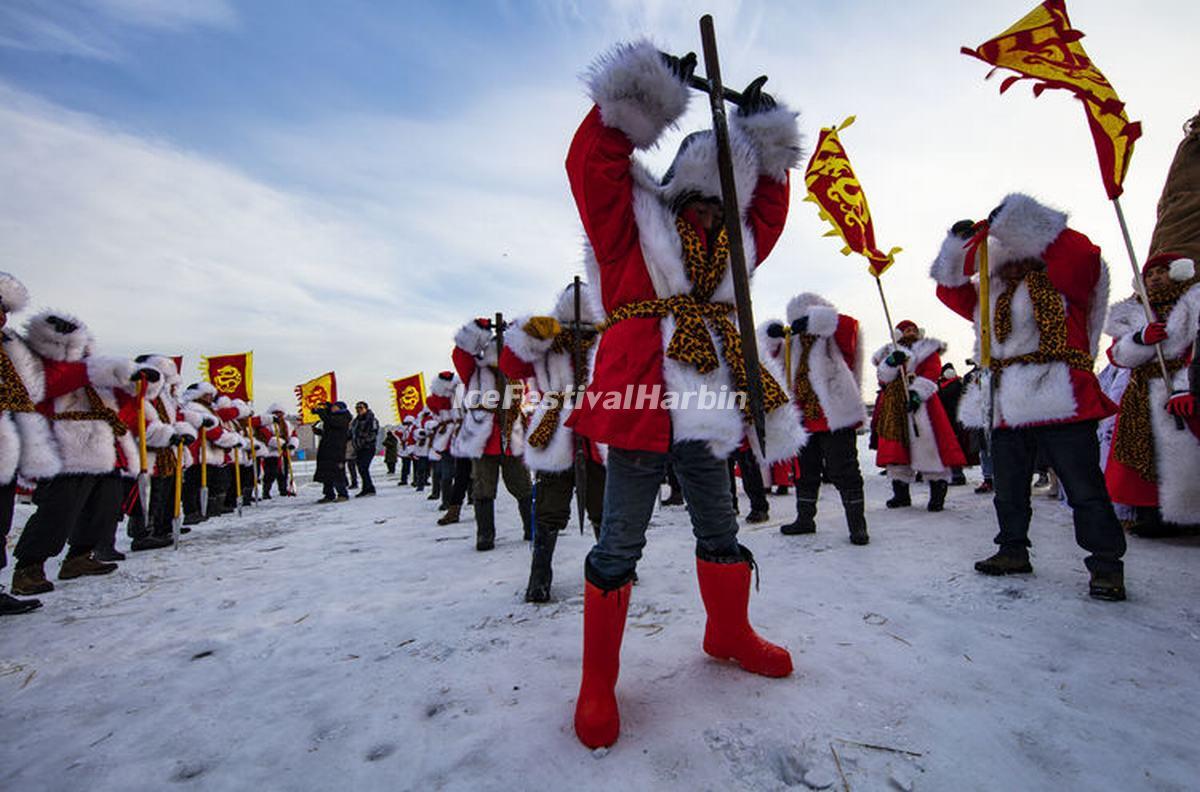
x,y
360,646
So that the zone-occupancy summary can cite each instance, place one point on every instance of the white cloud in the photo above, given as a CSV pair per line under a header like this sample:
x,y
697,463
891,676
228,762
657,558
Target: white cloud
x,y
159,249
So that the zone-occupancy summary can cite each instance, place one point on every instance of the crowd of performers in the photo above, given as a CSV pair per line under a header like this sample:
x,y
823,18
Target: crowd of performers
x,y
656,316
98,438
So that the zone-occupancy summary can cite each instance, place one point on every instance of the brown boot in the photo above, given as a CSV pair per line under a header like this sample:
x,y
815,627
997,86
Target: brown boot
x,y
29,580
80,565
451,515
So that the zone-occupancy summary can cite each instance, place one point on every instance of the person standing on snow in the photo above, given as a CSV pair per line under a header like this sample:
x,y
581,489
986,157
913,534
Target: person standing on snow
x,y
915,434
1152,465
826,389
364,433
542,348
1049,297
331,451
662,269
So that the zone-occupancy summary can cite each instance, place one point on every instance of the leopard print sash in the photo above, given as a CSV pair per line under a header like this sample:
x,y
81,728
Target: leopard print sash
x,y
13,395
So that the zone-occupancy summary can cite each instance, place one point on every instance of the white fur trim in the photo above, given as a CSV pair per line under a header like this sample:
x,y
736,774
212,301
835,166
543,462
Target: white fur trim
x,y
472,339
39,455
1177,455
923,387
822,320
636,92
947,268
42,338
590,311
197,390
776,137
522,344
109,372
446,388
695,169
13,293
1127,317
1182,269
1026,227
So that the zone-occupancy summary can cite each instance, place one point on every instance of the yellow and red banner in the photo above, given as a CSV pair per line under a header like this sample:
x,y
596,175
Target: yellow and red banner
x,y
1043,47
834,188
408,395
312,394
231,375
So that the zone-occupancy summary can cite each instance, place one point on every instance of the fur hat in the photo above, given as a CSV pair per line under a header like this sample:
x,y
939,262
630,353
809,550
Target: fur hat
x,y
276,407
905,324
44,336
1180,268
197,390
13,294
590,311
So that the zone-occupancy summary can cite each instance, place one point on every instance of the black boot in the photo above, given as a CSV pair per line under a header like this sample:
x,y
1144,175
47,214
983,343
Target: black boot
x,y
11,606
436,492
900,496
937,495
485,524
806,513
541,570
525,506
856,518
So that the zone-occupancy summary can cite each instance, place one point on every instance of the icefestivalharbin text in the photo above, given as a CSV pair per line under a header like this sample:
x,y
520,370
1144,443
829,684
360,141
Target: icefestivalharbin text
x,y
639,397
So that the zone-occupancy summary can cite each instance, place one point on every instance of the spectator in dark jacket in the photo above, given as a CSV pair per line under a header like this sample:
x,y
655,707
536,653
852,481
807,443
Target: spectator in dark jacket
x,y
364,432
331,451
390,451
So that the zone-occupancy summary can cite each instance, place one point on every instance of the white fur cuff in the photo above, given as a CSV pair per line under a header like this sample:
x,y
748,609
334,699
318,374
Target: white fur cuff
x,y
822,320
947,268
471,338
776,138
109,372
636,92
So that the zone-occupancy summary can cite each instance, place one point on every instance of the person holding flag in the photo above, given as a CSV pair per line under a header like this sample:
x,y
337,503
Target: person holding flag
x,y
280,437
822,360
1152,465
662,268
1045,314
915,434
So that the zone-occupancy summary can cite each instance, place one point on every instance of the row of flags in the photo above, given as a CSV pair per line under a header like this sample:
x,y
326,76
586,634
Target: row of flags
x,y
233,376
1041,46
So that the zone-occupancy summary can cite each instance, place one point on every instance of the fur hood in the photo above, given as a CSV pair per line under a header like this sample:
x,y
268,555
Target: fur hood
x,y
590,311
444,387
917,353
197,390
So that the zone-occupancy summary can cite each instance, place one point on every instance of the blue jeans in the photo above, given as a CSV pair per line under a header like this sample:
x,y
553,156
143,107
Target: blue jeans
x,y
631,489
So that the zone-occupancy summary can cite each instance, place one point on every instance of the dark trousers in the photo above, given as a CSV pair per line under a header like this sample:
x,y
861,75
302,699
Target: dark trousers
x,y
554,501
8,497
420,472
631,489
219,480
489,469
444,476
1073,450
162,510
752,480
274,474
390,463
462,481
834,455
405,468
350,470
82,509
362,461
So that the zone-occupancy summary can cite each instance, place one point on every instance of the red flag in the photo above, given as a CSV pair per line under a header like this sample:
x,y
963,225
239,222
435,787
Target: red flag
x,y
1043,47
231,375
408,395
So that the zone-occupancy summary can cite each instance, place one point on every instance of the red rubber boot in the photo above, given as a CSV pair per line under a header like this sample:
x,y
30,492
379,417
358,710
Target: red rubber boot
x,y
597,722
725,589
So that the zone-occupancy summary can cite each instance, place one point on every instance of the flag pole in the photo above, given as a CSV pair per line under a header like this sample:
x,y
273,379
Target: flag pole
x,y
909,423
177,514
985,338
1141,289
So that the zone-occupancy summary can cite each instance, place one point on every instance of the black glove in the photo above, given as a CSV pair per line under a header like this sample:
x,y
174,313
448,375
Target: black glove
x,y
800,326
775,330
897,358
683,68
914,401
963,229
61,325
151,375
992,214
177,440
755,100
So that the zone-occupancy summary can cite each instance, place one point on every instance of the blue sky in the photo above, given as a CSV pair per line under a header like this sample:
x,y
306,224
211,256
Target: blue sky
x,y
340,185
